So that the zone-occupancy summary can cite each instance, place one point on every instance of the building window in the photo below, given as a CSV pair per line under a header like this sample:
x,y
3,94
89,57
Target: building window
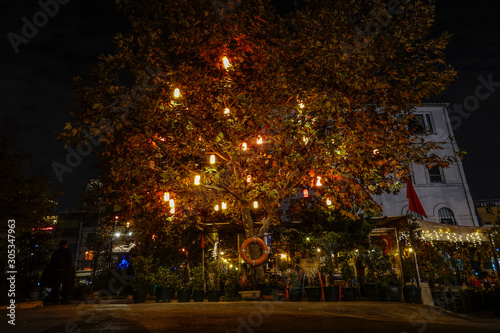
x,y
446,216
435,175
421,124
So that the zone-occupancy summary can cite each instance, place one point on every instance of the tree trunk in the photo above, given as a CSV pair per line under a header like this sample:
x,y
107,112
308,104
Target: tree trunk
x,y
254,249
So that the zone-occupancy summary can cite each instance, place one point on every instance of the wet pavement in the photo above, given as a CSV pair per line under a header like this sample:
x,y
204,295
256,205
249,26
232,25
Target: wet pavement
x,y
253,316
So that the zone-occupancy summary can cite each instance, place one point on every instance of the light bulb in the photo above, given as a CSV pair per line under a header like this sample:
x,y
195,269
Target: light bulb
x,y
328,202
255,204
212,159
249,179
172,210
197,180
259,140
223,205
244,146
226,62
172,203
216,208
227,111
177,93
318,181
166,196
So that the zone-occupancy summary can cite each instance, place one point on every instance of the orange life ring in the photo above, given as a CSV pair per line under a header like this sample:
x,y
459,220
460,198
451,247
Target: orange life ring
x,y
261,243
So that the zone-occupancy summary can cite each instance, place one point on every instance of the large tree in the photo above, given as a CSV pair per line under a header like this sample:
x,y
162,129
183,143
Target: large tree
x,y
285,100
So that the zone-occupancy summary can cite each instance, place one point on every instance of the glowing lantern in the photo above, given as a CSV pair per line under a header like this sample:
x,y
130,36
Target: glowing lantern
x,y
177,93
224,205
226,62
305,139
227,111
166,196
249,179
328,202
259,140
212,159
151,164
305,193
172,210
255,204
171,203
197,180
318,181
216,207
117,217
375,151
244,146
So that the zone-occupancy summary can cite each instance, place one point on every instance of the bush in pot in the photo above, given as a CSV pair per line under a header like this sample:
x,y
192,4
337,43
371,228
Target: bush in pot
x,y
349,277
143,277
166,282
183,286
313,289
197,283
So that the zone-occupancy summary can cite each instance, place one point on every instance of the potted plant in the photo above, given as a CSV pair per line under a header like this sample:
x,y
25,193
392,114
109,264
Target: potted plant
x,y
348,276
213,282
183,286
231,285
292,282
142,272
166,282
393,286
314,288
330,272
249,287
197,283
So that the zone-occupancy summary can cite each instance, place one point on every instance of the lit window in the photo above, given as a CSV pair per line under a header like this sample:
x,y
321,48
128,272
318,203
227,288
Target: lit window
x,y
446,216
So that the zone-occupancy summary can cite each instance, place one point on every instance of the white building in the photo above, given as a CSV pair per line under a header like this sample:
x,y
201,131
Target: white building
x,y
444,193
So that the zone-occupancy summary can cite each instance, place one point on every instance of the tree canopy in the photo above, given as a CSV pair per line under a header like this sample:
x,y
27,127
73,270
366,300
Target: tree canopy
x,y
317,97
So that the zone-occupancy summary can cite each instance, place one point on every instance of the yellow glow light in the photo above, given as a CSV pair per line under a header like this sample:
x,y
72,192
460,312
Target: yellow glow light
x,y
410,250
166,196
212,159
172,203
259,140
375,151
227,111
197,180
224,205
283,256
305,139
255,204
226,62
318,181
249,179
244,146
216,208
318,249
328,202
177,93
172,210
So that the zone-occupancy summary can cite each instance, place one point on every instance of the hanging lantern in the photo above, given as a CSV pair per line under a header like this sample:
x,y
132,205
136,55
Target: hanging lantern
x,y
244,146
216,208
177,93
318,181
172,210
224,205
166,196
255,204
259,140
197,180
171,203
249,179
227,111
375,151
212,159
328,202
305,193
226,63
151,164
305,139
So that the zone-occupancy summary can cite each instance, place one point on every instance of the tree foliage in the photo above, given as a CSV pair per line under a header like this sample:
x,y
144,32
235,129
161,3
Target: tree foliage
x,y
331,103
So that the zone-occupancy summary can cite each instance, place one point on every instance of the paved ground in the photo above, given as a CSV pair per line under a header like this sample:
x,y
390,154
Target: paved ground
x,y
125,316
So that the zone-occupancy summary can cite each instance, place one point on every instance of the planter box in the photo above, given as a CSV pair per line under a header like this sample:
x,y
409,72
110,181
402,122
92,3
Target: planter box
x,y
250,294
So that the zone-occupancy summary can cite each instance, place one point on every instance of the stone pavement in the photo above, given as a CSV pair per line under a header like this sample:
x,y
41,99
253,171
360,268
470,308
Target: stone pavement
x,y
251,316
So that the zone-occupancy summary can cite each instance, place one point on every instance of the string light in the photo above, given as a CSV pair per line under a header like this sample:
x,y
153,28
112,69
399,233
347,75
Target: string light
x,y
172,210
375,151
255,204
216,208
318,181
197,180
259,140
328,202
244,146
171,203
305,139
249,179
223,205
227,111
177,93
212,159
166,196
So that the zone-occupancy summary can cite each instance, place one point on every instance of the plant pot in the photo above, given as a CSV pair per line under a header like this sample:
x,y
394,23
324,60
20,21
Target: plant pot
x,y
199,295
250,294
213,295
184,295
331,294
140,294
374,292
313,294
412,295
394,293
164,294
295,294
348,294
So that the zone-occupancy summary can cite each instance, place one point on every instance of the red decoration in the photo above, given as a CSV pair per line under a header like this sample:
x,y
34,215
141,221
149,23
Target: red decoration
x,y
387,243
305,192
202,241
414,204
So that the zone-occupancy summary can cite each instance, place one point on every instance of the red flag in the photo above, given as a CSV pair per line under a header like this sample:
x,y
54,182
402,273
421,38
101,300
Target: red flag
x,y
202,241
414,204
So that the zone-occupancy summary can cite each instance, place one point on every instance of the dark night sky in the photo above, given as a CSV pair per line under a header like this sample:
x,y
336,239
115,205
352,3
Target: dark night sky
x,y
35,82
